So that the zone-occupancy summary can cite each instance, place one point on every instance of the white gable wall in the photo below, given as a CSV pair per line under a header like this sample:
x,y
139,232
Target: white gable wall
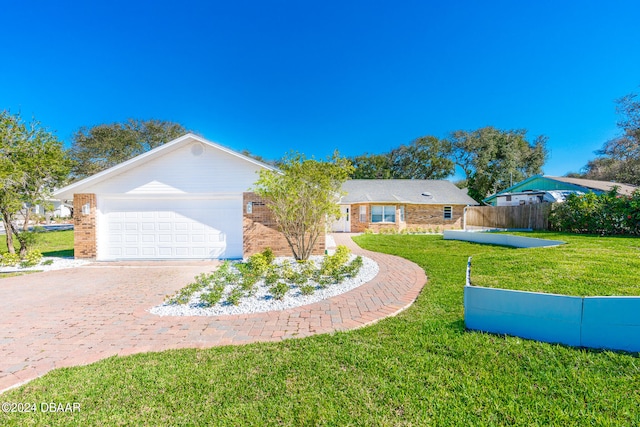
x,y
181,171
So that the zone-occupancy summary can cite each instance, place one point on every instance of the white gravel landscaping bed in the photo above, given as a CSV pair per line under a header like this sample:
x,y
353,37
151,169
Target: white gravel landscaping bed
x,y
58,263
262,301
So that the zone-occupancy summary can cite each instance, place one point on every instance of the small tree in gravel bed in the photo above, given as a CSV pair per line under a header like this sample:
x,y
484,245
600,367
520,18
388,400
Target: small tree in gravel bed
x,y
303,197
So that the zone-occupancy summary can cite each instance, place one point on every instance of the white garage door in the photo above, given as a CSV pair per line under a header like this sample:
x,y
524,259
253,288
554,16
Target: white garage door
x,y
169,229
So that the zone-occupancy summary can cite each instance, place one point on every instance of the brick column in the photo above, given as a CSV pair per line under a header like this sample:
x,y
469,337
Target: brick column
x,y
84,226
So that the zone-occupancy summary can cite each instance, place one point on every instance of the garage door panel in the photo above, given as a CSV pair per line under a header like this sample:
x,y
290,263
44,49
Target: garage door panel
x,y
148,226
131,252
115,252
131,238
166,229
182,251
165,251
149,252
148,238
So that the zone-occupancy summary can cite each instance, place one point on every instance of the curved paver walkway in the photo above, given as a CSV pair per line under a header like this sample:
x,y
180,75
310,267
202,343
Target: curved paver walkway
x,y
78,316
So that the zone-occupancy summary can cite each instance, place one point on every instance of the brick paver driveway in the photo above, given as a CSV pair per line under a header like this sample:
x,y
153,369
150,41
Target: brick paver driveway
x,y
81,315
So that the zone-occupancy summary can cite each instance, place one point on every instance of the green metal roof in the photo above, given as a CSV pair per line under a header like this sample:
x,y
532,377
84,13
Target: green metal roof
x,y
548,183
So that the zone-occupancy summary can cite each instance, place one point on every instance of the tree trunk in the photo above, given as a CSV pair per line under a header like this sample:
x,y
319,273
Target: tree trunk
x,y
25,224
8,228
23,249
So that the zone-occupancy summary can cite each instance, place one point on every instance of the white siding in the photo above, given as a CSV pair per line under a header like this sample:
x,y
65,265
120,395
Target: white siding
x,y
180,171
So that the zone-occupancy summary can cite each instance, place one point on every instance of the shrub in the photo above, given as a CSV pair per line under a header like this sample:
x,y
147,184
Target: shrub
x,y
249,276
330,263
32,258
10,260
308,269
235,295
225,274
286,272
324,281
47,262
297,277
184,295
268,256
204,279
279,291
272,275
213,296
307,289
605,214
353,268
258,263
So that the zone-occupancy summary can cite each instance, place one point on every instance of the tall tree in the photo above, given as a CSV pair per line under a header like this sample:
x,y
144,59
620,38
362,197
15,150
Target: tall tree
x,y
372,166
423,158
32,164
493,159
303,198
103,146
619,158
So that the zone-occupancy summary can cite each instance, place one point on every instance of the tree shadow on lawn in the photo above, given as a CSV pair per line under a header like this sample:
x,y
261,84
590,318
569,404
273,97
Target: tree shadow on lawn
x,y
65,253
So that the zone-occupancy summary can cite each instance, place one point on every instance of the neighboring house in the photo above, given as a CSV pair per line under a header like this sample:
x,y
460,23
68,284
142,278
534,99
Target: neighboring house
x,y
60,209
529,197
545,183
185,199
398,204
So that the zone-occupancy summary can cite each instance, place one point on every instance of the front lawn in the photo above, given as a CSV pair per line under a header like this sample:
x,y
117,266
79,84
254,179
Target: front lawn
x,y
418,368
50,243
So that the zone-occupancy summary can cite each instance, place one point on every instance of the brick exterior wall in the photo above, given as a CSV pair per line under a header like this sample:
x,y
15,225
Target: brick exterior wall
x,y
425,217
260,230
84,226
431,216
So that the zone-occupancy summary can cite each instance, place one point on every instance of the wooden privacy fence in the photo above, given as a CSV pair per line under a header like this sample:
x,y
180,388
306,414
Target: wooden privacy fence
x,y
535,216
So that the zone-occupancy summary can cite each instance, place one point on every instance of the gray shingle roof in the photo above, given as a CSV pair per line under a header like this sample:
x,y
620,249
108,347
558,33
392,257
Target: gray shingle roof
x,y
410,191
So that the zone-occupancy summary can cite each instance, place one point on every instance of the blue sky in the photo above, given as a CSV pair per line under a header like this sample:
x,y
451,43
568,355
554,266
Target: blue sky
x,y
315,76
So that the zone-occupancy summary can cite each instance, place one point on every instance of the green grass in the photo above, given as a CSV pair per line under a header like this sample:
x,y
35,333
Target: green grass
x,y
419,368
51,243
18,273
585,266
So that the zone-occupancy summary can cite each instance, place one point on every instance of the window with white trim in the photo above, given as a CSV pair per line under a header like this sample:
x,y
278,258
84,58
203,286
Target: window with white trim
x,y
402,213
363,213
448,212
383,214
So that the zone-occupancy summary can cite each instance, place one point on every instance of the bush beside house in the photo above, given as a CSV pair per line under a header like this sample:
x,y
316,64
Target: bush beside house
x,y
609,213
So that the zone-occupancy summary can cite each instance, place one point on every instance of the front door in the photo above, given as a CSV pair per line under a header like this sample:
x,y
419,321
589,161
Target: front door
x,y
343,224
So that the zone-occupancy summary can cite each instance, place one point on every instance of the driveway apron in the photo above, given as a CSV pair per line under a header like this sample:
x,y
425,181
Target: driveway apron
x,y
79,316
